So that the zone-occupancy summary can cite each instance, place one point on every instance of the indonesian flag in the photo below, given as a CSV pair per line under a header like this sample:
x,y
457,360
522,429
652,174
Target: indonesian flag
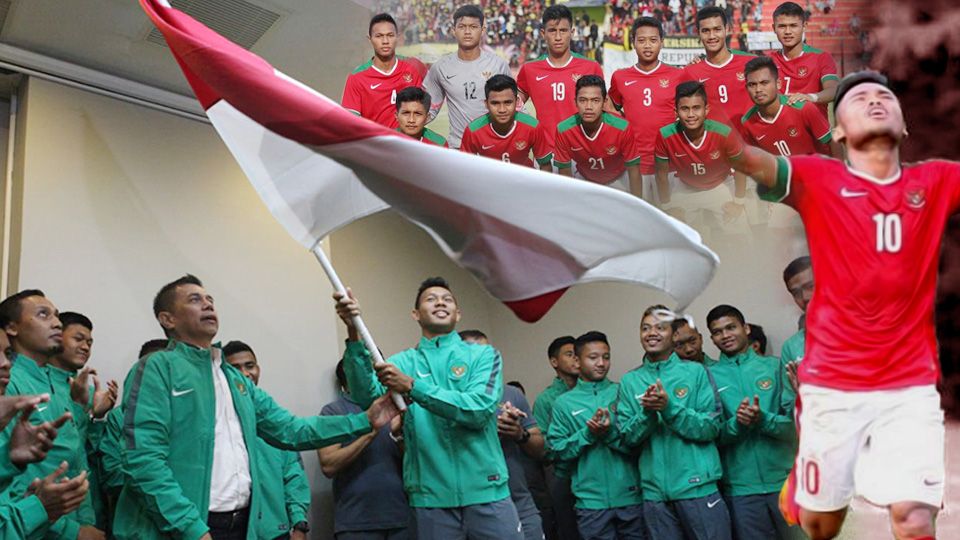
x,y
526,235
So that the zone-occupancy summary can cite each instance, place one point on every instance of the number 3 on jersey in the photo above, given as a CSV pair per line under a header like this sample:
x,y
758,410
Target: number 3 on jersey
x,y
559,91
889,232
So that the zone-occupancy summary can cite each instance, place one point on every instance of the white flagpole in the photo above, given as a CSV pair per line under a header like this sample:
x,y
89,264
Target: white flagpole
x,y
362,329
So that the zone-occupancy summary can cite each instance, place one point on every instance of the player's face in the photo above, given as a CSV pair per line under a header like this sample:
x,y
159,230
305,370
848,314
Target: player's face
x,y
502,106
647,43
713,34
6,359
594,361
869,111
692,111
688,343
468,31
412,117
590,103
247,364
557,35
789,30
77,344
800,286
762,87
383,37
656,336
437,312
730,335
566,361
38,329
193,315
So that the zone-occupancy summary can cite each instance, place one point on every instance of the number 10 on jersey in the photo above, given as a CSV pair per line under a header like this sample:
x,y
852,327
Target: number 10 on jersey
x,y
889,232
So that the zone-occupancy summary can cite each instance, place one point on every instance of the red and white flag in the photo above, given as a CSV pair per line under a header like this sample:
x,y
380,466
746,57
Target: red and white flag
x,y
526,235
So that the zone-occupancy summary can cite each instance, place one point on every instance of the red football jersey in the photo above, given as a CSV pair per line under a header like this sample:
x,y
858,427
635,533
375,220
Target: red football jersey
x,y
702,166
602,158
647,100
514,147
875,246
807,72
372,93
797,129
726,86
553,89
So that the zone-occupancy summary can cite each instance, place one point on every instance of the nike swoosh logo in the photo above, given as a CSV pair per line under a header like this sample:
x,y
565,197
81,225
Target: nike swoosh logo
x,y
760,137
578,411
448,77
487,147
576,148
638,396
705,80
722,389
679,155
931,482
542,77
374,86
628,83
41,409
178,393
714,503
844,192
422,375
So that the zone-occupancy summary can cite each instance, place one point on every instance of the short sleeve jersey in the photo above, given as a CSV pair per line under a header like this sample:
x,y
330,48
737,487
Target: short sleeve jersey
x,y
647,100
807,72
875,246
432,138
372,93
601,158
726,85
704,165
480,138
797,129
460,83
553,89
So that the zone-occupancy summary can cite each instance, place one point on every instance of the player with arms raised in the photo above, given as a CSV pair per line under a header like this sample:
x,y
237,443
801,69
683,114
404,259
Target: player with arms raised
x,y
371,90
645,93
870,368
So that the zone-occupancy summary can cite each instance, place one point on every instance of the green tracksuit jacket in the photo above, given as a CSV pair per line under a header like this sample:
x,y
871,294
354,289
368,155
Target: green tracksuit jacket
x,y
453,456
603,471
758,458
168,430
792,350
22,517
543,406
678,457
28,378
286,492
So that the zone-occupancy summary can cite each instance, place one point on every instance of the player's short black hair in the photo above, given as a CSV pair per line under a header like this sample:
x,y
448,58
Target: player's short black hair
x,y
68,318
163,301
725,310
379,18
237,346
855,79
757,334
690,89
499,83
341,375
472,334
789,9
588,81
651,309
428,283
710,12
11,308
592,336
518,386
679,323
469,10
759,63
796,266
151,346
413,93
556,12
554,348
646,21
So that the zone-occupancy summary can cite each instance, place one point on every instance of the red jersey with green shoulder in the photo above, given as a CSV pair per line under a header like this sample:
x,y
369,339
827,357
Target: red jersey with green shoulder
x,y
552,89
372,94
647,100
726,85
704,165
480,138
875,246
797,129
806,73
431,137
601,158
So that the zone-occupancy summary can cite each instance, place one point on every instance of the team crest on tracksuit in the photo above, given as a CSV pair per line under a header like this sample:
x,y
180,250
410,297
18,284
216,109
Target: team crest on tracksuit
x,y
242,388
458,370
681,392
765,384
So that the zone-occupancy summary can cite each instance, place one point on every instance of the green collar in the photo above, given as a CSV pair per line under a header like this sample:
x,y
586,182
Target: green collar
x,y
593,386
440,342
746,356
672,359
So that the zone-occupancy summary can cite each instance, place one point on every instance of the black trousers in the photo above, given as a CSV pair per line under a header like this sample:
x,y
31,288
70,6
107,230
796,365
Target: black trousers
x,y
229,525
